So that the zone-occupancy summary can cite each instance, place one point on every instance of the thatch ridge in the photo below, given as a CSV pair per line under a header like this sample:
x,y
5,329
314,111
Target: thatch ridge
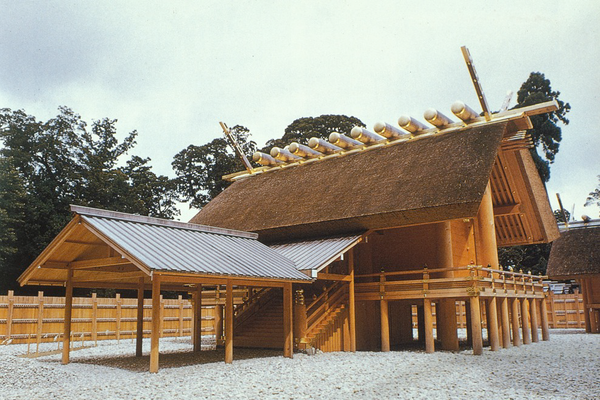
x,y
427,180
575,253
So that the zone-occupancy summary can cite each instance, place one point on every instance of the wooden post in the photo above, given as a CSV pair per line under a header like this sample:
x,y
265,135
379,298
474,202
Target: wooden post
x,y
139,335
288,325
197,319
118,317
428,325
229,324
475,312
468,323
535,337
95,318
525,321
385,325
446,312
218,324
155,333
515,322
505,323
487,251
544,314
420,324
67,319
351,305
552,310
161,319
492,327
11,308
180,327
40,321
586,309
300,322
346,331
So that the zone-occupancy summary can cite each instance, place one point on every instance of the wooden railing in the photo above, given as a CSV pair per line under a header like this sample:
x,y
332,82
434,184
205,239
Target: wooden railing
x,y
427,281
252,304
326,316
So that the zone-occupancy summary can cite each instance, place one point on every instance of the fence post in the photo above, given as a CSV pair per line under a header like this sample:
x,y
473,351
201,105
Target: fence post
x,y
162,316
9,318
552,309
118,317
95,319
180,299
40,321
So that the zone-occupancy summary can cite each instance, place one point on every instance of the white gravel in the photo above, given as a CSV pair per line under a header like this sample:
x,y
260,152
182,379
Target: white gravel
x,y
566,367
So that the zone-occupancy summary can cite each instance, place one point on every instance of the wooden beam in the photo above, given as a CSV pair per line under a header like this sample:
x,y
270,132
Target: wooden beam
x,y
428,323
68,314
155,333
288,328
229,324
508,209
333,277
475,312
98,262
85,243
100,276
139,335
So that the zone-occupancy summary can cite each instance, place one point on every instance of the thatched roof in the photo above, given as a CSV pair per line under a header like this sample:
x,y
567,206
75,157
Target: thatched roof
x,y
575,253
430,179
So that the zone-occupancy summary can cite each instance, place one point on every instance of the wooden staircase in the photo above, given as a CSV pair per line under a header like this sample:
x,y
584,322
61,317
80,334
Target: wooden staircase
x,y
327,319
261,324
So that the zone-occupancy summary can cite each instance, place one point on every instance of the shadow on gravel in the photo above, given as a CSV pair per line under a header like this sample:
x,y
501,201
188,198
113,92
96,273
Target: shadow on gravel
x,y
178,359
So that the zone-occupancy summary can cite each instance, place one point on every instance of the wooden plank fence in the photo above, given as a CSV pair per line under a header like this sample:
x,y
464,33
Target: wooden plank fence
x,y
39,319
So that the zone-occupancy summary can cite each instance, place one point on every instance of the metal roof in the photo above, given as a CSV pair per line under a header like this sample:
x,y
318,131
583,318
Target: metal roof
x,y
180,247
316,254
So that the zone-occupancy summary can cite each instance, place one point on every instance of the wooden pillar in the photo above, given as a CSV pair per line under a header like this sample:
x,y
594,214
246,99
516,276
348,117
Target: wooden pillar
x,y
487,251
468,323
68,314
544,315
505,323
288,325
351,304
446,312
218,324
525,321
300,322
535,337
229,324
95,318
197,317
139,336
420,324
428,322
515,322
586,313
118,316
475,311
385,325
40,321
492,327
155,332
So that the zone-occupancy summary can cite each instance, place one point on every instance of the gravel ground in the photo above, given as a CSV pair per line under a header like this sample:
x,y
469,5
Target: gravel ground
x,y
566,367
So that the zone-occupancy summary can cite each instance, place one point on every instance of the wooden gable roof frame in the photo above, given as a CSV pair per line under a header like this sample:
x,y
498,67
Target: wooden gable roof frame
x,y
104,249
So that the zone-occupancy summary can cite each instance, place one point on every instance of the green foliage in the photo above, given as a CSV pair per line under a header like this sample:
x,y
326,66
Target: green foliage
x,y
558,215
46,166
200,169
532,258
546,134
594,197
302,129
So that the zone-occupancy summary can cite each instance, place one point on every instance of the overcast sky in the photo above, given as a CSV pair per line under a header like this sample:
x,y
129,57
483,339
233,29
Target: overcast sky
x,y
173,70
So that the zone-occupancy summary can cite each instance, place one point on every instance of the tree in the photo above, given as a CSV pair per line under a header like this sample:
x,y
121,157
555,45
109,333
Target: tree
x,y
53,164
302,129
545,133
594,197
561,215
200,169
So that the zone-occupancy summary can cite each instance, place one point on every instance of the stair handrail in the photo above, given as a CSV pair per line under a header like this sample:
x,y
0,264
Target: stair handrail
x,y
322,296
252,305
326,308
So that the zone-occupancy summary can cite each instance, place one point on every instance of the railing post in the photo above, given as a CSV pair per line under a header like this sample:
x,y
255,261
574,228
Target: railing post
x,y
425,280
383,312
40,321
9,318
118,317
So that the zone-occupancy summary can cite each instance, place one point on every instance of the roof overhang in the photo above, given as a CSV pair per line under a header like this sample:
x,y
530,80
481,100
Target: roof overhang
x,y
114,250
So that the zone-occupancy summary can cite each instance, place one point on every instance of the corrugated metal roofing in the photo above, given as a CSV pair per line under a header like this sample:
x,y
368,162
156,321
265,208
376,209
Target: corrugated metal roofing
x,y
177,248
316,254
